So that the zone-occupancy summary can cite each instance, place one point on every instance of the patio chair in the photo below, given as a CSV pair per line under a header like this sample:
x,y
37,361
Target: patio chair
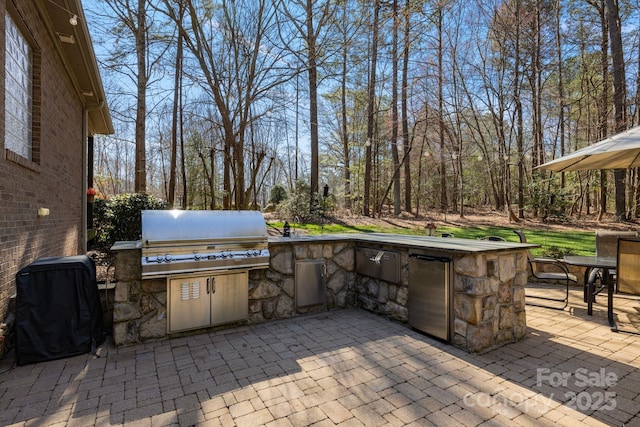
x,y
560,274
494,238
606,246
607,241
628,271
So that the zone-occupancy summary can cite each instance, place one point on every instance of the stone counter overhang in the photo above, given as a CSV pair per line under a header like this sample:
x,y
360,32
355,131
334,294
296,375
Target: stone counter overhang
x,y
488,286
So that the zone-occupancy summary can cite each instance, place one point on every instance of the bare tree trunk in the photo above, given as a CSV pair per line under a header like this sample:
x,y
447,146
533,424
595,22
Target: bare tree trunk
x,y
313,99
536,88
561,101
405,113
423,143
183,160
394,112
444,205
604,102
396,173
371,108
174,118
226,174
309,29
619,96
212,159
520,128
238,161
345,132
140,183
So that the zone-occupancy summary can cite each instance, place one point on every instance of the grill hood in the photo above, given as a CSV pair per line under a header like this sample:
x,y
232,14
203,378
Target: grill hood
x,y
176,226
175,241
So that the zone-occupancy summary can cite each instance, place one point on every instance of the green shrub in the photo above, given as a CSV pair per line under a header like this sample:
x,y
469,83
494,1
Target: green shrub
x,y
555,252
297,204
277,194
118,218
548,199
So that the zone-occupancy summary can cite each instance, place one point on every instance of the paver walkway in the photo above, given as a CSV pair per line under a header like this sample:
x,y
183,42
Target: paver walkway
x,y
346,368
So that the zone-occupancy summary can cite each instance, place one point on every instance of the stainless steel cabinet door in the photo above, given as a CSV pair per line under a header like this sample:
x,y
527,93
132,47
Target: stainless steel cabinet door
x,y
229,297
310,284
189,303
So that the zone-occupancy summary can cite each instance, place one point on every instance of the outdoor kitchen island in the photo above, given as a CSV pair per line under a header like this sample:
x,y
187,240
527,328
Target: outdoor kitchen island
x,y
483,286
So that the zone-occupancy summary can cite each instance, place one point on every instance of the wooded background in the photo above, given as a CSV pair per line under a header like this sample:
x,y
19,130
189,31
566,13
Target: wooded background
x,y
395,105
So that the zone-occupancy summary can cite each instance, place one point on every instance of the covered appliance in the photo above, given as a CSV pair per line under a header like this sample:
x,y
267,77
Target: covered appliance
x,y
58,310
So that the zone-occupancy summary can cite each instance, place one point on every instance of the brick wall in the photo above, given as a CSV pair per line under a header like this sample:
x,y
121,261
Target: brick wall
x,y
55,181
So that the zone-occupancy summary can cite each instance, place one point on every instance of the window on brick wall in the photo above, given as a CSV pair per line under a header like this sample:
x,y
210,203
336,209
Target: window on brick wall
x,y
19,92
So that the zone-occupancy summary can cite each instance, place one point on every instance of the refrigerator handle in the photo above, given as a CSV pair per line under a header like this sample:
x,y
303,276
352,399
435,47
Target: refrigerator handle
x,y
430,258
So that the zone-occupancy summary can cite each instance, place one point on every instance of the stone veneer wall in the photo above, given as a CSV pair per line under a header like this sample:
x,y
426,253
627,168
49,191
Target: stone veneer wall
x,y
272,291
140,308
488,301
385,298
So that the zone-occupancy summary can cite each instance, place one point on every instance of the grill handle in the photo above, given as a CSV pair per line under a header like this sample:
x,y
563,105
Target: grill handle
x,y
198,242
377,258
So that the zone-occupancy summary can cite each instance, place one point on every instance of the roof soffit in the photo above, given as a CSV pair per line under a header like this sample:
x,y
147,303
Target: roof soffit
x,y
75,48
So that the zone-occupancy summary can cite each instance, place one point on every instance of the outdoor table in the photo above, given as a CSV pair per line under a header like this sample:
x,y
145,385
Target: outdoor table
x,y
606,264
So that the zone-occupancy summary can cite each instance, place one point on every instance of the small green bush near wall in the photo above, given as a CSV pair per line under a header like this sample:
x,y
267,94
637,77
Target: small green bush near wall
x,y
118,218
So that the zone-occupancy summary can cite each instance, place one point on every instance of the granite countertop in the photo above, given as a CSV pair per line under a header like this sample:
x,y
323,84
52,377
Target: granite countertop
x,y
422,242
448,244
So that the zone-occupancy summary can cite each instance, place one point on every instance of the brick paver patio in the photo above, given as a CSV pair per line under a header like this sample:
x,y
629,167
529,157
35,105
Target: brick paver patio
x,y
346,368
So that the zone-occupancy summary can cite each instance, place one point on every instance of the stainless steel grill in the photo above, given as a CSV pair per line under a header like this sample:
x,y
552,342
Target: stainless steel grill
x,y
175,241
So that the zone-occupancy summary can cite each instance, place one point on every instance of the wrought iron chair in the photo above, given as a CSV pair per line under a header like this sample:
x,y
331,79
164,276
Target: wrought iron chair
x,y
494,238
560,275
628,271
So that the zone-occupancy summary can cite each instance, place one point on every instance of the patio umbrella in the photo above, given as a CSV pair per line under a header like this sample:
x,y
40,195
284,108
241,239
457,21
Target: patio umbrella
x,y
621,151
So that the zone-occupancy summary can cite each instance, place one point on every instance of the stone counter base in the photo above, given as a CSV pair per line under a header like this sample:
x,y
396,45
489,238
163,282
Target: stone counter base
x,y
488,293
489,300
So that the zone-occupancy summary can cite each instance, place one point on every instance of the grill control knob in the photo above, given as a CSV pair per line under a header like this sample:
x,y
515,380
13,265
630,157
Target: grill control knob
x,y
224,255
249,253
168,258
196,256
256,252
160,258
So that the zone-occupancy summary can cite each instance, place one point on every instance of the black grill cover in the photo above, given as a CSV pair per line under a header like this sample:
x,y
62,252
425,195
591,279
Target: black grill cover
x,y
58,311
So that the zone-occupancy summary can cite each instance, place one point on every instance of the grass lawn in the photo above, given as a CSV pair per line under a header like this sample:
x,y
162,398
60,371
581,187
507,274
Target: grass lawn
x,y
553,243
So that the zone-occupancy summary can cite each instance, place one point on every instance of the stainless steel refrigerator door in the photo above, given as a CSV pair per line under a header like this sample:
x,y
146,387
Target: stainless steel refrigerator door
x,y
430,296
